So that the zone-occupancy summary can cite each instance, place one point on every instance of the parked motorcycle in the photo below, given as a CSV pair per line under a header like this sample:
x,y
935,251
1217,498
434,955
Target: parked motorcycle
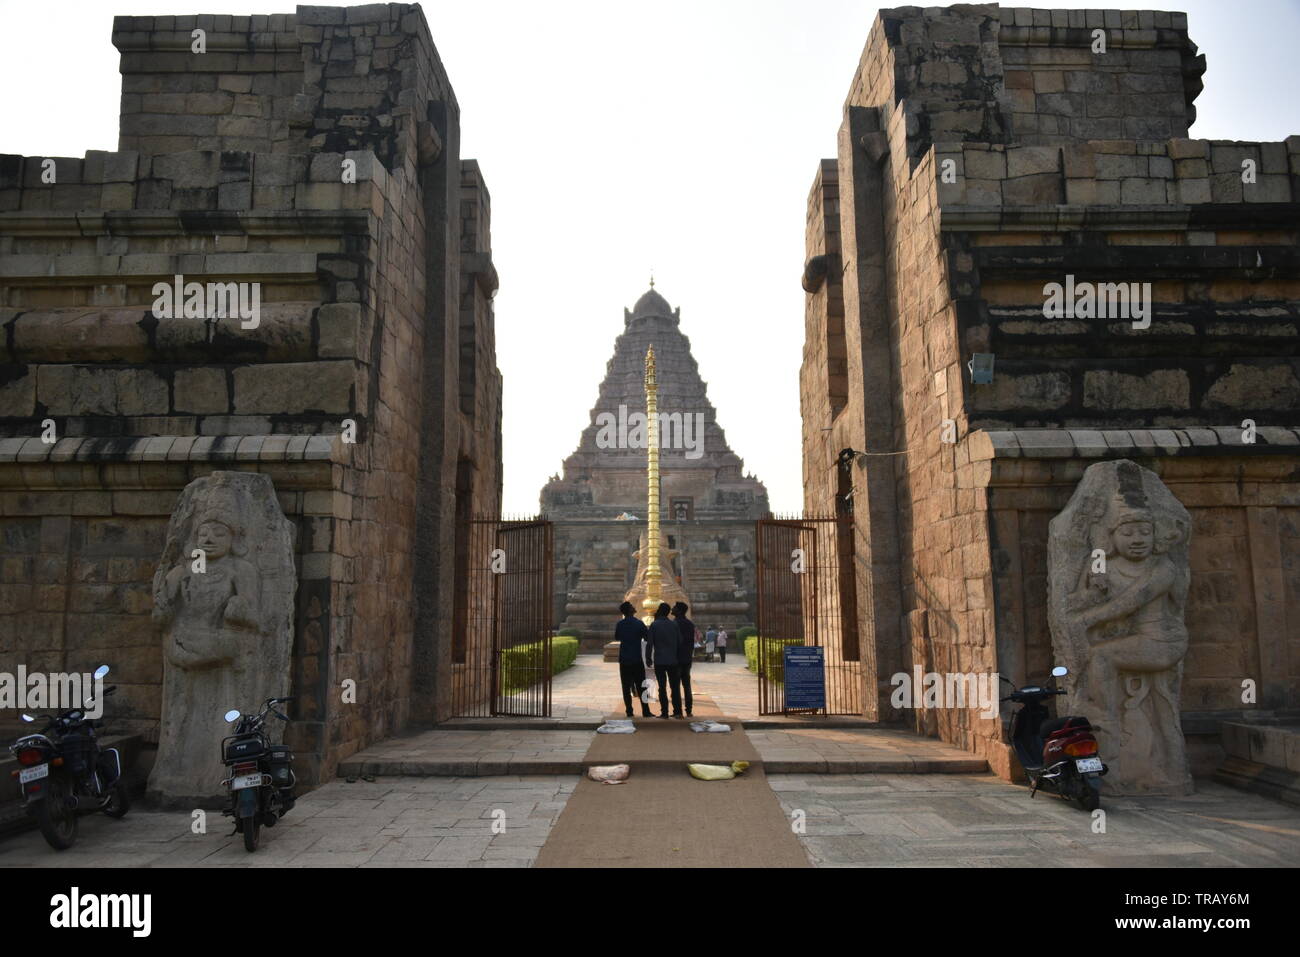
x,y
63,772
260,774
1059,755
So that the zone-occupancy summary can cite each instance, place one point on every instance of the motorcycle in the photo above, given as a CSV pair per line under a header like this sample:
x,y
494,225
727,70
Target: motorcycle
x,y
260,774
1059,755
63,772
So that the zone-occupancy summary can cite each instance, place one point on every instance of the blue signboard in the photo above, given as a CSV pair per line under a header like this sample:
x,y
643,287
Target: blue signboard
x,y
805,677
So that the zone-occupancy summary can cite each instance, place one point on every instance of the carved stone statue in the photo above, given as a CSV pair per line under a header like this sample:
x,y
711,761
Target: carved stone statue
x,y
1118,579
223,593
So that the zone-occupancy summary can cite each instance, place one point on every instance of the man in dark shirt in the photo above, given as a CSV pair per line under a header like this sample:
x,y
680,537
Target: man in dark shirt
x,y
661,650
685,651
631,665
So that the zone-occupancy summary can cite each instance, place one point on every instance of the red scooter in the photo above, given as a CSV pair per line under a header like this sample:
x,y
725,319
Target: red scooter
x,y
1059,755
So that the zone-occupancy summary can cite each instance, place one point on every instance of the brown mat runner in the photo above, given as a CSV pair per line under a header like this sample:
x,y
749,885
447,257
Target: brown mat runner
x,y
663,817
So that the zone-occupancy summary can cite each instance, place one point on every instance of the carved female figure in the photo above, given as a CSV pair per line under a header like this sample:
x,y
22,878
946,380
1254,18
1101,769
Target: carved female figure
x,y
226,623
1119,579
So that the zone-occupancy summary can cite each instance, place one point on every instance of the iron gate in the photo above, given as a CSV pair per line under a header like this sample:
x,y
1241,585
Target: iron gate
x,y
501,630
806,596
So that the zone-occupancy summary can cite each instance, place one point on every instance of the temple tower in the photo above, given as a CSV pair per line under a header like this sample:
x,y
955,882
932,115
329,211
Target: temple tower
x,y
598,503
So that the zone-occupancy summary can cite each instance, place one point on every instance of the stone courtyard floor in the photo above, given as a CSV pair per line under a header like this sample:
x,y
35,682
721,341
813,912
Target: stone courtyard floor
x,y
890,799
946,820
859,820
390,822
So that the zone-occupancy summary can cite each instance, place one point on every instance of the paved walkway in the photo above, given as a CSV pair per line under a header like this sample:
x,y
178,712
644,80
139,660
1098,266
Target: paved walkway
x,y
391,822
590,690
910,820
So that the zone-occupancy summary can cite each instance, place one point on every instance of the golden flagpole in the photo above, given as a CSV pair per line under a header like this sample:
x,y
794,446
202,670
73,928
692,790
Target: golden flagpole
x,y
652,574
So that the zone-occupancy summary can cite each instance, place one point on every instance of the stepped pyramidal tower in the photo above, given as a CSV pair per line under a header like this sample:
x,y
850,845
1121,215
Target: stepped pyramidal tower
x,y
598,504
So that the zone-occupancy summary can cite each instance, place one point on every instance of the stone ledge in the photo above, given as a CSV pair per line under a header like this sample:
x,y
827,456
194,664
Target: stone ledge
x,y
1109,443
283,222
1142,218
168,448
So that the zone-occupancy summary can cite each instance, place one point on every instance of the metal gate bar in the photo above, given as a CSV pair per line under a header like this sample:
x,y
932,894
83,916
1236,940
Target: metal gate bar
x,y
502,653
805,597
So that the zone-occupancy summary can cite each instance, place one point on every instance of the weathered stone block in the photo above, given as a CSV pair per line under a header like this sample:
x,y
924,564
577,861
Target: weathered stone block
x,y
1031,160
296,387
81,390
1110,390
201,390
1256,387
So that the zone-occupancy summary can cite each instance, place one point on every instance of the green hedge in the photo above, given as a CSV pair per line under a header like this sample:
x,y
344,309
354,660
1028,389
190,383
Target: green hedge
x,y
570,633
749,631
520,665
775,650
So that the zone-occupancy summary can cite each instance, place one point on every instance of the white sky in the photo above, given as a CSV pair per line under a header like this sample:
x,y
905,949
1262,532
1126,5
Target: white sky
x,y
615,138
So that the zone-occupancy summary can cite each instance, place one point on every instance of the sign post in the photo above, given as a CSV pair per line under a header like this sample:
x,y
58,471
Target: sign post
x,y
805,678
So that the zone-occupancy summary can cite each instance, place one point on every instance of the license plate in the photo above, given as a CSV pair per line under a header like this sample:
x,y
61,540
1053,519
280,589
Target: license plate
x,y
34,774
246,781
1085,765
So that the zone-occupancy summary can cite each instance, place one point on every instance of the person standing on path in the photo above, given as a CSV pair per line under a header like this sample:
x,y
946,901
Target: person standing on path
x,y
686,652
722,645
661,652
710,643
629,634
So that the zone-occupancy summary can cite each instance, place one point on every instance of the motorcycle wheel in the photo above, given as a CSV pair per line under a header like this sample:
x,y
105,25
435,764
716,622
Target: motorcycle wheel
x,y
252,833
1088,795
119,801
57,821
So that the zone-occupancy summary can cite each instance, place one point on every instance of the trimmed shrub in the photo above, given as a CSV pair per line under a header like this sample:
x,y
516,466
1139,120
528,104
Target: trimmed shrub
x,y
748,631
570,633
775,651
521,664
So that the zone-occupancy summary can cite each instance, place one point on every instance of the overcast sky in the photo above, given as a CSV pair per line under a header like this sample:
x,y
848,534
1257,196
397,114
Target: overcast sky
x,y
617,138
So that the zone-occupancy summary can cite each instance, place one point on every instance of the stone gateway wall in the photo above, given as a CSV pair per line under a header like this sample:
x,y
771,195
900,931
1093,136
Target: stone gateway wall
x,y
985,154
317,155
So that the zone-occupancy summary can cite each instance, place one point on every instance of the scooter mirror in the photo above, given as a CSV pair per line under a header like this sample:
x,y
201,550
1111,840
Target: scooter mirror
x,y
28,718
1060,672
101,671
232,715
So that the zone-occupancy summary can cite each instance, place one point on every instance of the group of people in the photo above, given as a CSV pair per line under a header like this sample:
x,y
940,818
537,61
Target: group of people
x,y
666,648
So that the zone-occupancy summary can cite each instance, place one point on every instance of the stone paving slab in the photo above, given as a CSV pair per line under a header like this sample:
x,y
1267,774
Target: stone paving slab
x,y
847,750
391,822
910,820
472,753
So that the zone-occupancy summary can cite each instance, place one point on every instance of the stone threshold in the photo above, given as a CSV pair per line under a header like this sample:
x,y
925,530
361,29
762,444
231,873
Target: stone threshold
x,y
493,767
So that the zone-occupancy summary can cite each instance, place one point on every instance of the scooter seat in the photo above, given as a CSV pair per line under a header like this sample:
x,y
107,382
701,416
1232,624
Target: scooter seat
x,y
1070,724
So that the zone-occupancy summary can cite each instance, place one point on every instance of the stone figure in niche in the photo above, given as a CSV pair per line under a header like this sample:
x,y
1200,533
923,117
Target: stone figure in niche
x,y
223,593
1118,579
